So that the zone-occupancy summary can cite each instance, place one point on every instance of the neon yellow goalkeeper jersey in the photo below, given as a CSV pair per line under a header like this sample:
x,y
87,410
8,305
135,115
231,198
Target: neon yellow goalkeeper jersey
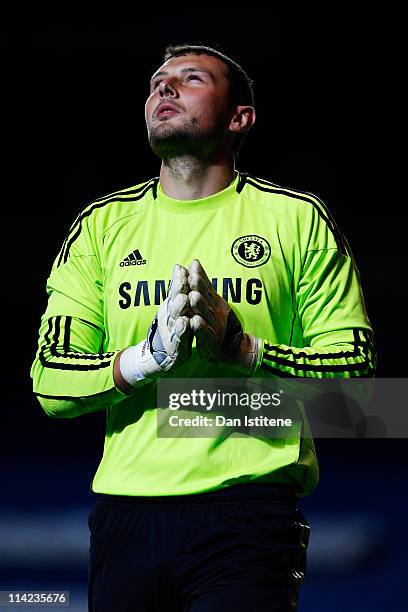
x,y
275,254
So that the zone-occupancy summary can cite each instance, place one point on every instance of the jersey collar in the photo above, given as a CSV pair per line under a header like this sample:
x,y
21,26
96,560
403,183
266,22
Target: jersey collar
x,y
190,206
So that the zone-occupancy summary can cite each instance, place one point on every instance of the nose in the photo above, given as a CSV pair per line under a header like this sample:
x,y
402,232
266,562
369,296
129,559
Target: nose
x,y
166,87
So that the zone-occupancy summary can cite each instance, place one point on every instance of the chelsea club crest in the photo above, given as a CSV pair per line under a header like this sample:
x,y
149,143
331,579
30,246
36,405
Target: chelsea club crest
x,y
251,251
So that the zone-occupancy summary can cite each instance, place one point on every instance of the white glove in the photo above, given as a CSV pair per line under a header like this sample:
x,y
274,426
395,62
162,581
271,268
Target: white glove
x,y
169,337
217,329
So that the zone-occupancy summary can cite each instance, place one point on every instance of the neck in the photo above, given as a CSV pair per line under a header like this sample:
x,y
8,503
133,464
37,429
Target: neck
x,y
186,178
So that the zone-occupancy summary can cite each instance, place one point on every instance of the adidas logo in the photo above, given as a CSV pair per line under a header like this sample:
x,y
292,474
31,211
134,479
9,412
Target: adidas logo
x,y
133,259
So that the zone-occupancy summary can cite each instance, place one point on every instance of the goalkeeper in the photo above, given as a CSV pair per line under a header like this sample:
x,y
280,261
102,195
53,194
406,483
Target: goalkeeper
x,y
262,284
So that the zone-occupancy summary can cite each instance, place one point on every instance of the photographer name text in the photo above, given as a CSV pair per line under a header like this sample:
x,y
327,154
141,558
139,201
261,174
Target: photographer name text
x,y
221,421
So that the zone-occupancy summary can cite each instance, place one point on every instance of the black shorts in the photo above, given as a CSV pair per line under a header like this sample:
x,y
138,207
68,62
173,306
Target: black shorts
x,y
237,549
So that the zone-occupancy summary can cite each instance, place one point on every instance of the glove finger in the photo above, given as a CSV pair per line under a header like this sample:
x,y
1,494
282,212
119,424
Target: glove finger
x,y
199,305
180,338
198,279
167,316
181,325
196,267
177,307
197,283
206,341
179,281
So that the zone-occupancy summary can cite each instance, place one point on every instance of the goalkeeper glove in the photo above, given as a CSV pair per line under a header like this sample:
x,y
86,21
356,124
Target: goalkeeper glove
x,y
169,337
218,331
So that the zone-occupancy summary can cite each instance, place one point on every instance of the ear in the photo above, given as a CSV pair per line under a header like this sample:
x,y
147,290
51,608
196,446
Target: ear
x,y
243,119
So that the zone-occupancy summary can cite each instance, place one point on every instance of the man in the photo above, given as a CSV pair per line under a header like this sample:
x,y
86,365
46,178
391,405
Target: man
x,y
263,284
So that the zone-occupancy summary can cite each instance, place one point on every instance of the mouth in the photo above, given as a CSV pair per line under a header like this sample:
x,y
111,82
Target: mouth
x,y
166,110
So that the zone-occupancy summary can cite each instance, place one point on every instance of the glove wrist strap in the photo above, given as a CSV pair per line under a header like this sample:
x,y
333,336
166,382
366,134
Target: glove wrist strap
x,y
138,364
246,357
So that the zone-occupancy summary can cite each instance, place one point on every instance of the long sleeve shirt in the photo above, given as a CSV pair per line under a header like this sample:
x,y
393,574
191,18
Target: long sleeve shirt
x,y
275,254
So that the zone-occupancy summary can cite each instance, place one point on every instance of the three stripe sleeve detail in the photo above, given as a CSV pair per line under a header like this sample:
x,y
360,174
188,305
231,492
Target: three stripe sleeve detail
x,y
290,362
57,344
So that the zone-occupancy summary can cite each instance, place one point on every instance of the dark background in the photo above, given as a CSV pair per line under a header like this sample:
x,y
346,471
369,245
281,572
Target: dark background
x,y
326,94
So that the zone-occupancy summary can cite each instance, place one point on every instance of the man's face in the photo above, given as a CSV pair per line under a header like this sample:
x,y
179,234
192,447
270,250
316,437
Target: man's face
x,y
197,86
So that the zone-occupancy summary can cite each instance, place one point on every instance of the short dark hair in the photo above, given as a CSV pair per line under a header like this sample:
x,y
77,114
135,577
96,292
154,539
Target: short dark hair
x,y
240,85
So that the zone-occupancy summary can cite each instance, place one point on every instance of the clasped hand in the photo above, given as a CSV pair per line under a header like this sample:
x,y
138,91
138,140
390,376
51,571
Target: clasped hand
x,y
194,308
191,308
